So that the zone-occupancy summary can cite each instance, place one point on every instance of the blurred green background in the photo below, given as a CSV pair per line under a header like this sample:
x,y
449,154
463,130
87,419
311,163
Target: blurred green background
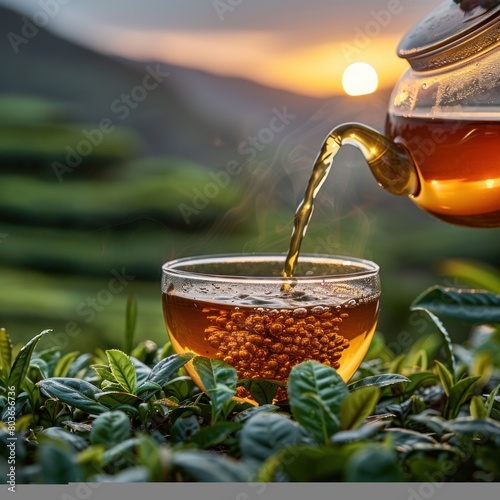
x,y
81,203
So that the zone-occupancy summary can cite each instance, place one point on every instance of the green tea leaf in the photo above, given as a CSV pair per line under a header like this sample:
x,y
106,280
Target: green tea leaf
x,y
458,396
263,391
148,389
473,306
266,433
123,369
306,464
244,415
62,367
487,428
378,381
148,453
79,364
405,440
31,390
134,474
204,466
167,350
74,392
397,364
184,429
445,377
316,393
429,341
131,411
490,400
142,371
21,364
180,387
435,424
104,371
364,432
93,454
116,398
417,380
119,451
57,465
219,381
357,406
51,357
38,369
378,348
482,366
448,345
211,436
418,405
477,274
167,368
477,408
130,322
108,386
5,352
77,442
420,360
110,428
374,465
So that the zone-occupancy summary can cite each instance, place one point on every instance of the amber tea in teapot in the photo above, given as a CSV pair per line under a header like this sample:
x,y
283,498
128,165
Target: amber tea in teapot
x,y
459,166
446,111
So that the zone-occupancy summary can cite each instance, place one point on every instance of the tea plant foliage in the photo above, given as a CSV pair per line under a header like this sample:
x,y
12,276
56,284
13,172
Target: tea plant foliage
x,y
135,415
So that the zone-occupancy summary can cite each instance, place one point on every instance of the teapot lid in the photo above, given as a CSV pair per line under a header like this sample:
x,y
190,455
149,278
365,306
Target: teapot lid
x,y
448,34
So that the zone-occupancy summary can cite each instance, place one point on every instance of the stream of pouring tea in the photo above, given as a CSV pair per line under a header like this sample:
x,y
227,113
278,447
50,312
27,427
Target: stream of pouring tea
x,y
305,209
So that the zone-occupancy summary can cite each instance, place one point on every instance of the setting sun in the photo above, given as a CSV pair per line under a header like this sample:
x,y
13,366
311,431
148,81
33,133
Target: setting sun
x,y
359,79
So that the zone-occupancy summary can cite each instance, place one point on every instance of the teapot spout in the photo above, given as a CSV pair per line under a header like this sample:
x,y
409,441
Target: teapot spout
x,y
391,163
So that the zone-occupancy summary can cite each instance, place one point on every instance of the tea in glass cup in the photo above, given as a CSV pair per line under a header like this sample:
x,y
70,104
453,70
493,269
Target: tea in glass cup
x,y
237,309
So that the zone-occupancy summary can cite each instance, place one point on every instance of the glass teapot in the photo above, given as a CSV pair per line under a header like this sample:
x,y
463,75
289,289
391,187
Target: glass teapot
x,y
442,143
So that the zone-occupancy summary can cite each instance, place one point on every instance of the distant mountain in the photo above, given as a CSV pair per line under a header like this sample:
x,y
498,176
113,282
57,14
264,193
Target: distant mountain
x,y
237,100
191,113
94,87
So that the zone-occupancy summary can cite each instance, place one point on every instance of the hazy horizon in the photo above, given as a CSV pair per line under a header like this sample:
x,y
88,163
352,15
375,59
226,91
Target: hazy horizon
x,y
297,46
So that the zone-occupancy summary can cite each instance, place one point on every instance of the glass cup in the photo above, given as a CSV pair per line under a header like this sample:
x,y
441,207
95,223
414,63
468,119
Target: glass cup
x,y
239,308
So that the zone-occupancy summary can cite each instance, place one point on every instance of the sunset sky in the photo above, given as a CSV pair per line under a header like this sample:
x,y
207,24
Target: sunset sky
x,y
299,45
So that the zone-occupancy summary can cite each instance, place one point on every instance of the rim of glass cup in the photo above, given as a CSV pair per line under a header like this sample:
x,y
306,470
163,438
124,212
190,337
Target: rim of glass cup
x,y
171,267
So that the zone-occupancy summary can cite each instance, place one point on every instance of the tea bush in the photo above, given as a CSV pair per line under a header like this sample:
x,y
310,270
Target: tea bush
x,y
431,414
